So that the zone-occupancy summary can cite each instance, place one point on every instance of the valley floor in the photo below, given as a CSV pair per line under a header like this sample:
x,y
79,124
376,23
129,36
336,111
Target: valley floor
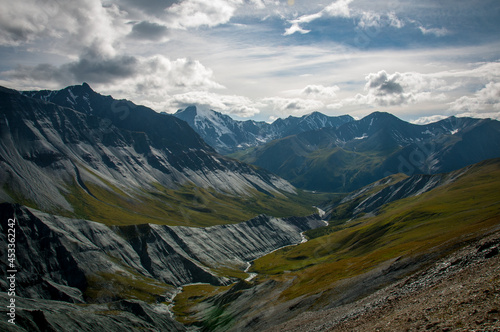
x,y
460,292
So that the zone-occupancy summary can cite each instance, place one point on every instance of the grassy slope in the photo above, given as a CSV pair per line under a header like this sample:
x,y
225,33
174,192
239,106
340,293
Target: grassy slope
x,y
323,168
435,222
440,218
187,206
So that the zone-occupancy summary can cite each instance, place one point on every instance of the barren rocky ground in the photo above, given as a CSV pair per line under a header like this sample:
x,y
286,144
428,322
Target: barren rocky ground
x,y
460,292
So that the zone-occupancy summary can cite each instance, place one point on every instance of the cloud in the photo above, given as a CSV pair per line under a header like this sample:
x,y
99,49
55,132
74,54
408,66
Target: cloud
x,y
84,70
339,8
320,91
137,76
484,103
71,26
438,32
149,31
154,8
399,89
429,119
229,104
296,106
197,13
295,28
376,20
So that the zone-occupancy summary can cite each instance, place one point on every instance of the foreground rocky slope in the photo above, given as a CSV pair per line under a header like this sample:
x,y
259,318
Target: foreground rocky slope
x,y
460,292
118,316
71,259
323,280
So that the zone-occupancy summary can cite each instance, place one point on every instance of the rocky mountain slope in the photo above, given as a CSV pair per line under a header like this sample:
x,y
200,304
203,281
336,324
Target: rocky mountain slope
x,y
80,261
103,191
89,155
367,200
227,135
360,152
118,316
173,255
361,265
457,293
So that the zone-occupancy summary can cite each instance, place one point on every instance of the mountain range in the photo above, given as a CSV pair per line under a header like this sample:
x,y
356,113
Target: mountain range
x,y
227,135
360,152
128,219
83,154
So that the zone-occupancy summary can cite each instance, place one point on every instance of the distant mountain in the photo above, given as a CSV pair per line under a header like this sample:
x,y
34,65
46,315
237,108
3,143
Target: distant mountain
x,y
360,152
227,135
81,153
313,121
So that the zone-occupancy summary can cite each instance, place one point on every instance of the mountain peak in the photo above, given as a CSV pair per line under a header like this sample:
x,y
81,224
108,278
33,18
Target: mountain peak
x,y
381,115
315,113
188,112
86,86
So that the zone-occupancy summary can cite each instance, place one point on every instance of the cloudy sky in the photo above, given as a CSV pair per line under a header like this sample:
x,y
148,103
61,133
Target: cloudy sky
x,y
263,59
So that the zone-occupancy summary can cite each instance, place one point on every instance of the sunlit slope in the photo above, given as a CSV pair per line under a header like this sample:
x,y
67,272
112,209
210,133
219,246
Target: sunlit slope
x,y
77,153
355,256
432,222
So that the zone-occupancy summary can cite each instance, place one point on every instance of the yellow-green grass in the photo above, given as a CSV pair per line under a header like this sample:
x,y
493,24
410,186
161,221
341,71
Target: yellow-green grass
x,y
186,206
230,272
441,218
106,287
192,295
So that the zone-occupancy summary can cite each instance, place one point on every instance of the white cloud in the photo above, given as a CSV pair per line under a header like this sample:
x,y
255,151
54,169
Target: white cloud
x,y
307,18
146,80
295,106
229,104
429,119
438,32
377,20
197,13
320,91
489,71
295,28
484,103
339,8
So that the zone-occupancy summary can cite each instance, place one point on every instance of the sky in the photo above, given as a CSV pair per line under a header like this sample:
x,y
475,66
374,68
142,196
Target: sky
x,y
263,59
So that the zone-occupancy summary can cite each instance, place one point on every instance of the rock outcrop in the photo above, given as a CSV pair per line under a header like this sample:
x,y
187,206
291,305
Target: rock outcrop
x,y
58,255
61,140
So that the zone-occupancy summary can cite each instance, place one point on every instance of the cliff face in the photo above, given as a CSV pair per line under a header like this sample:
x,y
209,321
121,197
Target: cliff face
x,y
119,316
62,258
49,150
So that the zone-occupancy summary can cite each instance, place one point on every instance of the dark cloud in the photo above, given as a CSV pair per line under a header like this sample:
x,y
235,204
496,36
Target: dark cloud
x,y
86,69
150,7
100,70
39,73
390,87
384,84
148,31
